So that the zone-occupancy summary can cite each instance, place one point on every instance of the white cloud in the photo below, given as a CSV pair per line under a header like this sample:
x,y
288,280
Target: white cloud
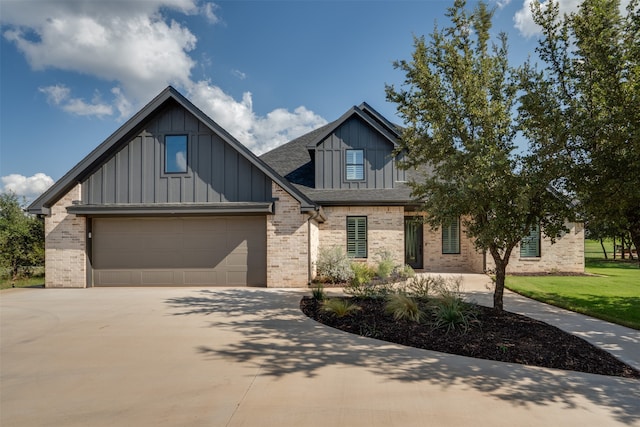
x,y
60,95
523,18
258,133
141,51
28,187
209,12
239,74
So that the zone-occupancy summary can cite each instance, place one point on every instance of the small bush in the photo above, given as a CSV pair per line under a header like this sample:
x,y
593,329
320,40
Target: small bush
x,y
339,307
404,272
420,286
318,293
362,273
333,265
385,264
403,307
450,312
372,289
450,287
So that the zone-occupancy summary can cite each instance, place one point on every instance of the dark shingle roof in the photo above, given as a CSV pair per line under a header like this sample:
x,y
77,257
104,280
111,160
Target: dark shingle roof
x,y
293,161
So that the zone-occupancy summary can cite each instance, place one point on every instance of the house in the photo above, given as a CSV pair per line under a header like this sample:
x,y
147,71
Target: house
x,y
172,199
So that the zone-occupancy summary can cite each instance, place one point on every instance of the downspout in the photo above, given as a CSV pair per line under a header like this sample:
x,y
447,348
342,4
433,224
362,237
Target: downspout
x,y
312,216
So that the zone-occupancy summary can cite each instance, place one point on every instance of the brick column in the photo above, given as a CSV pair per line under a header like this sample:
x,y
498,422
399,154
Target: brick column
x,y
65,245
287,243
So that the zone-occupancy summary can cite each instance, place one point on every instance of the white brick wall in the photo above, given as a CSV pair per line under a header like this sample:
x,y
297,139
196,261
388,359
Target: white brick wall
x,y
287,243
65,245
565,255
385,229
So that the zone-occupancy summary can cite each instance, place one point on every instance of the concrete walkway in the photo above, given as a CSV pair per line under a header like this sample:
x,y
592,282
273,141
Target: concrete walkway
x,y
248,357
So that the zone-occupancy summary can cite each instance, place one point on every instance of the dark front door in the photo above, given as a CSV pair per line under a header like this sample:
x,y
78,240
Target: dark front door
x,y
413,242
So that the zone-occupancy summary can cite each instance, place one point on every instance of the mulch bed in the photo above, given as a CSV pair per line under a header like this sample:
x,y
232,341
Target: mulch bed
x,y
493,335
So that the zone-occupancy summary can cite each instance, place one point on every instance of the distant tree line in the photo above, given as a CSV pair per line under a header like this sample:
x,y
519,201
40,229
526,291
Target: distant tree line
x,y
21,238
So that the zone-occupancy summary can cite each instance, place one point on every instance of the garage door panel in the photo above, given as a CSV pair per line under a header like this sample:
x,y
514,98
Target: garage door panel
x,y
225,251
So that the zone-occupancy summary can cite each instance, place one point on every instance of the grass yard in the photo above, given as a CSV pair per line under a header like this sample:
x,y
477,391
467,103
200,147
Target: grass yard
x,y
36,280
612,295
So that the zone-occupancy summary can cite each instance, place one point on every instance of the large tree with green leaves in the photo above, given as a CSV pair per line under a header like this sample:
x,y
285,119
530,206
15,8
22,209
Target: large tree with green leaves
x,y
458,103
21,236
585,105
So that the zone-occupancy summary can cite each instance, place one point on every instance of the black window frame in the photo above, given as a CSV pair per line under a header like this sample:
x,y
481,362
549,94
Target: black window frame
x,y
166,154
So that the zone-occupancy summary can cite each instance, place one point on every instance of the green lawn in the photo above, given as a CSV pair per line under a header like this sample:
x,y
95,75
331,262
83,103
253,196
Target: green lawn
x,y
36,280
612,295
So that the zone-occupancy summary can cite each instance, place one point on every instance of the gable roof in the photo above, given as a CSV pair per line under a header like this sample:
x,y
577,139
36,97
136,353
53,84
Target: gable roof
x,y
355,112
294,161
107,148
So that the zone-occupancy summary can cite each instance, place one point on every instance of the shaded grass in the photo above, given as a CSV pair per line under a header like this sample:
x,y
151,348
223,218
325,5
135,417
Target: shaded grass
x,y
6,283
612,294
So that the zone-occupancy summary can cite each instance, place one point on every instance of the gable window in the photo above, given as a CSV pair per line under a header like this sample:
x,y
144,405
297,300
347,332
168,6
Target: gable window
x,y
357,236
355,165
530,245
451,236
175,154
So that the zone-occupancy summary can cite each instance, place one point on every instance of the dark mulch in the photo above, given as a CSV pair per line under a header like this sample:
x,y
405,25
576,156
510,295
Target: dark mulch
x,y
494,335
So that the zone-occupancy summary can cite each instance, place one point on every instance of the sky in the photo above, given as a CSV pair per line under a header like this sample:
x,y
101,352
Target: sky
x,y
73,71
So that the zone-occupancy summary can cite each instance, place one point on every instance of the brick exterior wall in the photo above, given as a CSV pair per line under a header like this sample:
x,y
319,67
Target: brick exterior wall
x,y
287,243
385,229
468,260
566,255
65,245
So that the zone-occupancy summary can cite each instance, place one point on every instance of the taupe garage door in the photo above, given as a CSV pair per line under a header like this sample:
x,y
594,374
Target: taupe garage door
x,y
211,251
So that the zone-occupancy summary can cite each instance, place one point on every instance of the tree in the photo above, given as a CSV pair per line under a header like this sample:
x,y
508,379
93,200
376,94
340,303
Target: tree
x,y
458,103
585,104
21,236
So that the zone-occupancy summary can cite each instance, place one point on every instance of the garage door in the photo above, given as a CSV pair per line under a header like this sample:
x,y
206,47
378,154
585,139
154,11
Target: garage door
x,y
211,251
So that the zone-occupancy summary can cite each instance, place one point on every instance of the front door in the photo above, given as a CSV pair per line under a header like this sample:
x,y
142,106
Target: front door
x,y
413,242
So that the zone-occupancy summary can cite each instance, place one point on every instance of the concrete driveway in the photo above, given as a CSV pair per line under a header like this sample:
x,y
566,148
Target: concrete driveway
x,y
248,357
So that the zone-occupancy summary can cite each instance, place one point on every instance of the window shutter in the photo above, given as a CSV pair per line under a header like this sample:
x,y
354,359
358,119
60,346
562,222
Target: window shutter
x,y
530,245
451,237
357,237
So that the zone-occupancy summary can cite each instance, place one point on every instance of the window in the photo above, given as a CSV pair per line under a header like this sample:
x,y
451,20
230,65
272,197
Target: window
x,y
175,154
357,236
451,237
530,245
355,165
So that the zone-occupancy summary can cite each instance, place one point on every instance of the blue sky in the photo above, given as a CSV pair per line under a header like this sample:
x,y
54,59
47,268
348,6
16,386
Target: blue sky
x,y
73,71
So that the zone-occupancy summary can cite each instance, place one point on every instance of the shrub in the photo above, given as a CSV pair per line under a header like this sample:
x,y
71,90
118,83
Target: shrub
x,y
318,293
448,287
403,307
339,307
420,286
404,272
333,265
372,289
451,312
385,264
362,273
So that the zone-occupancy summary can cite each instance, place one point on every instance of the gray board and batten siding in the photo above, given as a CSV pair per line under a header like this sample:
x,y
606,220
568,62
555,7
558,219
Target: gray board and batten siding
x,y
216,172
380,168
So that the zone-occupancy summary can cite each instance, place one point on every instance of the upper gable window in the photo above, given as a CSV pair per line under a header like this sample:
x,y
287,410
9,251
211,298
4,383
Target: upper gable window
x,y
355,165
175,154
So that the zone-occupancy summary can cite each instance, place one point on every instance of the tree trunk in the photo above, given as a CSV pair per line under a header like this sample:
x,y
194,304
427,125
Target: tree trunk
x,y
622,247
604,251
635,238
501,272
498,293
